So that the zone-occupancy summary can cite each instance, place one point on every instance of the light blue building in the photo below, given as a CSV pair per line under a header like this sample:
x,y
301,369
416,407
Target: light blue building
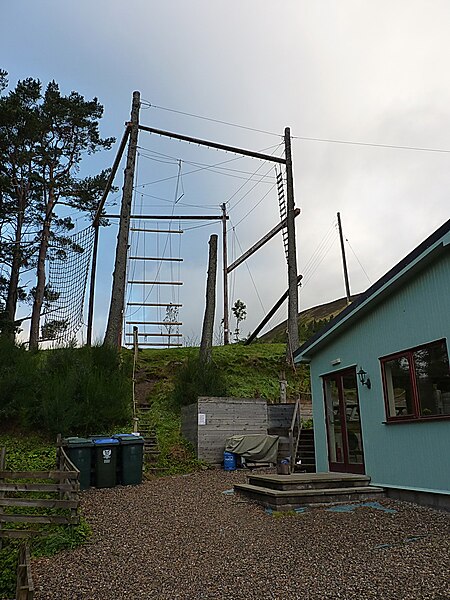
x,y
380,379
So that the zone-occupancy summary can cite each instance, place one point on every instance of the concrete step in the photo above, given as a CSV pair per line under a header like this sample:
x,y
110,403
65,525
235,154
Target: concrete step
x,y
283,500
302,481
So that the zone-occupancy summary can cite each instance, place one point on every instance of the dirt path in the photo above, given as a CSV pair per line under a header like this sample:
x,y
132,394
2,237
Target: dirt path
x,y
183,538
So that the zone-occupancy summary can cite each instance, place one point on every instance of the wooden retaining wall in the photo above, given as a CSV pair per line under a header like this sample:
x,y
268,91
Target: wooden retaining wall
x,y
210,421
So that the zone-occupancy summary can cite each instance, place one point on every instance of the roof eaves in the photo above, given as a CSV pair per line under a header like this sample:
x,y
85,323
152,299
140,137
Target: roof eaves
x,y
440,237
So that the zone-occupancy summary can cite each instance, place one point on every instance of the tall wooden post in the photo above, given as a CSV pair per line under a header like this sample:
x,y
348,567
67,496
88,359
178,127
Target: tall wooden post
x,y
92,287
293,341
344,260
226,324
116,308
210,305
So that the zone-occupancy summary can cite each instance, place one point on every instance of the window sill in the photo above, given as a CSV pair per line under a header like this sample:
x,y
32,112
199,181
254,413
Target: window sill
x,y
398,421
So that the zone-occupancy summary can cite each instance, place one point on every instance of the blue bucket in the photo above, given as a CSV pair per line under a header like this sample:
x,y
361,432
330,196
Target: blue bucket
x,y
229,461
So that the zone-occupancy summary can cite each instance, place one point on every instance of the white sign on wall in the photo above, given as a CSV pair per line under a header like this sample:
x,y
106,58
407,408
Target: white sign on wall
x,y
201,419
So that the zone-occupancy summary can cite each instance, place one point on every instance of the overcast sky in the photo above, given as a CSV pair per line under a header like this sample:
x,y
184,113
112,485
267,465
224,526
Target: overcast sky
x,y
347,70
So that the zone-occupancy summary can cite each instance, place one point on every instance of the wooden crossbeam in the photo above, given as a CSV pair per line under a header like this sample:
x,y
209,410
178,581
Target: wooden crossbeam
x,y
155,282
156,230
155,258
165,323
152,304
156,344
152,335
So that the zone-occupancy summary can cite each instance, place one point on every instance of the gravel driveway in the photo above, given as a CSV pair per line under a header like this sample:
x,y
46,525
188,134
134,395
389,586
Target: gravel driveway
x,y
183,538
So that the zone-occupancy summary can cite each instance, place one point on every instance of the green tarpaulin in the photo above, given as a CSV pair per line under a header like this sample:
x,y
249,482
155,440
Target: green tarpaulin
x,y
254,448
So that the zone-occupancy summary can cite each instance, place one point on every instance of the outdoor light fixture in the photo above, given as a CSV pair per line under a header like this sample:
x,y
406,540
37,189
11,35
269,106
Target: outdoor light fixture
x,y
363,379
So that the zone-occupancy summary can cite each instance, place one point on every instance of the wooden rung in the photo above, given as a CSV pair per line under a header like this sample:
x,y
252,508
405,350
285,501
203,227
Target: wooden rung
x,y
152,304
39,474
155,258
156,334
157,230
156,344
21,533
156,282
48,519
165,323
39,503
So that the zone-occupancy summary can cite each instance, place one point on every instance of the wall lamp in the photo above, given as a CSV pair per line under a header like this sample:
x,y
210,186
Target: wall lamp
x,y
363,379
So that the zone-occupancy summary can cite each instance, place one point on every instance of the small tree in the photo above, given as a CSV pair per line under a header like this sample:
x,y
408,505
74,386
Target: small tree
x,y
240,313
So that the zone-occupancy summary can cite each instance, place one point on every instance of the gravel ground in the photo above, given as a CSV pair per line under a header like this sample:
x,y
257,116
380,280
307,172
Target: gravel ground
x,y
182,538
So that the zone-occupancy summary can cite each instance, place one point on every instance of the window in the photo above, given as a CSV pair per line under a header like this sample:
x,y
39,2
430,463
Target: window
x,y
417,382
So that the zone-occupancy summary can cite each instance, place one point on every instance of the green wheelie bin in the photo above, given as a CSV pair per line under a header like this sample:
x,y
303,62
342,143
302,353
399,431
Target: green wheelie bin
x,y
131,454
105,464
79,450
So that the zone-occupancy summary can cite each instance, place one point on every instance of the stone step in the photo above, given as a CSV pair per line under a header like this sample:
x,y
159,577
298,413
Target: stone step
x,y
283,500
305,482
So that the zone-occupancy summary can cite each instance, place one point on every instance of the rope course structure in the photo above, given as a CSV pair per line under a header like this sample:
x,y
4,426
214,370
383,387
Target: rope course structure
x,y
68,268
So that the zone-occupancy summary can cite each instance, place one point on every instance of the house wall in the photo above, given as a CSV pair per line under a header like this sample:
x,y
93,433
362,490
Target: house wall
x,y
223,417
403,455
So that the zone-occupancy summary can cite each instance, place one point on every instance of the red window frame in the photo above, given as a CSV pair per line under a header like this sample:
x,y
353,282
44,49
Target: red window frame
x,y
409,355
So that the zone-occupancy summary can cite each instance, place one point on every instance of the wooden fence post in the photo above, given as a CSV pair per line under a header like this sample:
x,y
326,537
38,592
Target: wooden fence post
x,y
2,494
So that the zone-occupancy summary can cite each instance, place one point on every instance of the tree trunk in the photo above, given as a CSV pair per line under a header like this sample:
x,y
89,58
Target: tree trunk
x,y
210,307
113,332
11,299
40,285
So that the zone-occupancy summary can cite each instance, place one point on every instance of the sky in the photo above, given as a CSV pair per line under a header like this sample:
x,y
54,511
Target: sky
x,y
375,73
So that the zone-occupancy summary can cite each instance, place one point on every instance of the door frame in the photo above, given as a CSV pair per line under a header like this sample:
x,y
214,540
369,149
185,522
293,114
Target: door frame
x,y
346,466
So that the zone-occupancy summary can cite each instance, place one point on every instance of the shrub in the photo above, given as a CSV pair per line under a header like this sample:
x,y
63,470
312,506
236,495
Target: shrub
x,y
67,390
195,378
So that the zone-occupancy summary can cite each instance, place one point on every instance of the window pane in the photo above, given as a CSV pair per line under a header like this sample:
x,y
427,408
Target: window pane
x,y
353,423
433,379
399,387
334,422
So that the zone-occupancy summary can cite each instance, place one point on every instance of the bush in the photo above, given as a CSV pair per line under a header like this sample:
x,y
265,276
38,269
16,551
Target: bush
x,y
195,378
68,390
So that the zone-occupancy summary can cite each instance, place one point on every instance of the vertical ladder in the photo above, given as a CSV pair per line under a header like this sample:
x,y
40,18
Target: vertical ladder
x,y
283,208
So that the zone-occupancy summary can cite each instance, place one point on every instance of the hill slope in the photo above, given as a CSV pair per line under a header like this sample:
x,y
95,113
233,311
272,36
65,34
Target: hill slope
x,y
309,321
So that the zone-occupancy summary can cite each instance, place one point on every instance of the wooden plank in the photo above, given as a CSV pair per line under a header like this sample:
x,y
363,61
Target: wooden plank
x,y
48,519
57,475
35,487
25,585
39,502
22,533
2,494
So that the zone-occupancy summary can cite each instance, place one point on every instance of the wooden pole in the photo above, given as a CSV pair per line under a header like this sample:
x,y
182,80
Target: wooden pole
x,y
293,340
92,287
226,324
260,243
135,358
344,260
116,309
210,306
269,315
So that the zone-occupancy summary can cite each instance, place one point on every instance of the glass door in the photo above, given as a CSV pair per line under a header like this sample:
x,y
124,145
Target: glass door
x,y
345,446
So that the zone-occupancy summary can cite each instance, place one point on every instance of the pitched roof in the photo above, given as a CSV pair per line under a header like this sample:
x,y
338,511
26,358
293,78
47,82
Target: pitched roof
x,y
434,241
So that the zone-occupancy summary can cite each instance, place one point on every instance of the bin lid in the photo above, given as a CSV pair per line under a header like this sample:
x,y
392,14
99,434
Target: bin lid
x,y
77,441
129,438
108,441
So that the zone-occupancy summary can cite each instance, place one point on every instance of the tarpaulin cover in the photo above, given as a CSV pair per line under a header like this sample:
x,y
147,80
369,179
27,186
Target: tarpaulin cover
x,y
255,448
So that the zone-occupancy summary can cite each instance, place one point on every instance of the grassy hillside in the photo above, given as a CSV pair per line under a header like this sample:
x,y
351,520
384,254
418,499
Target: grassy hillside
x,y
248,372
309,321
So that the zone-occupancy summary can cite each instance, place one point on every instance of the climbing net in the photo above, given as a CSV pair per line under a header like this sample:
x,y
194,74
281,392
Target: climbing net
x,y
69,260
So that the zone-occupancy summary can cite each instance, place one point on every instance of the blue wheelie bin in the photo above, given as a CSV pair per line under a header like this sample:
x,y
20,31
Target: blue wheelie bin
x,y
105,464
